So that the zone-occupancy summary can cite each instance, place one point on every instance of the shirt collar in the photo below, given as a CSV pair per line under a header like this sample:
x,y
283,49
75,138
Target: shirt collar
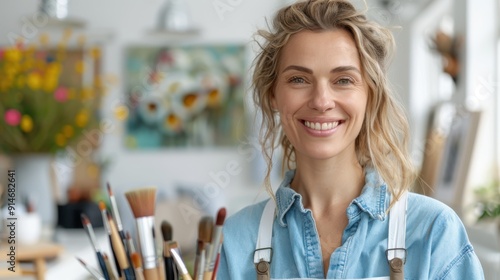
x,y
373,198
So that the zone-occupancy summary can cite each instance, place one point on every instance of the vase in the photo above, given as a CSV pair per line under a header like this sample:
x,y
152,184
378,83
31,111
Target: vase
x,y
35,183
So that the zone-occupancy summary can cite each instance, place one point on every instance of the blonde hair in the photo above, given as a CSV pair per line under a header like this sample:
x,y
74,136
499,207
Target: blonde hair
x,y
383,139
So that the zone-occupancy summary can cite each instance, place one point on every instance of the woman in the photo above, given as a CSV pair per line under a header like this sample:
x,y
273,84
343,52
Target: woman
x,y
320,83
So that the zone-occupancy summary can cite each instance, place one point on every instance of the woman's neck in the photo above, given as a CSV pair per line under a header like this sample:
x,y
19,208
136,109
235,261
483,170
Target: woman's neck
x,y
327,184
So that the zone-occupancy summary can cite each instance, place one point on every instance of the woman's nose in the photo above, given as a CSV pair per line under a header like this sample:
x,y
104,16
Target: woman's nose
x,y
322,98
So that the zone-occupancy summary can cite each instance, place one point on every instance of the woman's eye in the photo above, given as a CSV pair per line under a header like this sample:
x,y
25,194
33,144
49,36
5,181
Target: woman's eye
x,y
344,81
296,80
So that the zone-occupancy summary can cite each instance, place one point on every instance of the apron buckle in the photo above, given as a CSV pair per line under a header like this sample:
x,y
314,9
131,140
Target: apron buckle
x,y
396,249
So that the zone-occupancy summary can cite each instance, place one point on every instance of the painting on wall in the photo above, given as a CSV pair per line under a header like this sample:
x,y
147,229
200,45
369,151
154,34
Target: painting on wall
x,y
185,96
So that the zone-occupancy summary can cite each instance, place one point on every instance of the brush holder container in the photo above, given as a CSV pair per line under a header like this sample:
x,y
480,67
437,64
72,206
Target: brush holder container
x,y
29,228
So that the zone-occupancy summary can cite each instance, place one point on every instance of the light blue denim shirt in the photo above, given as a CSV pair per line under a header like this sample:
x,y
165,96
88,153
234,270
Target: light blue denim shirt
x,y
436,241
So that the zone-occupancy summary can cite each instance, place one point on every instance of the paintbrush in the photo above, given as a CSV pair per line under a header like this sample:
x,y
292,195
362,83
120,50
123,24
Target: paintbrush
x,y
199,260
90,232
137,263
116,216
178,261
142,204
121,254
205,227
213,249
111,271
91,270
130,243
170,269
217,260
104,214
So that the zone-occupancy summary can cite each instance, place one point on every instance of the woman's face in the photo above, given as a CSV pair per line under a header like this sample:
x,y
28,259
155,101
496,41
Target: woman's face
x,y
320,93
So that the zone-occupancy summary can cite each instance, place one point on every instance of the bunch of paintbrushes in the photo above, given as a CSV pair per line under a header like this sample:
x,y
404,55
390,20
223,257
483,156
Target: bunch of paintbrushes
x,y
127,263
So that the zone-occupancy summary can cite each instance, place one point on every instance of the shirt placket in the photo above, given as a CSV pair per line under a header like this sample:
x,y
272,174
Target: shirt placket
x,y
313,249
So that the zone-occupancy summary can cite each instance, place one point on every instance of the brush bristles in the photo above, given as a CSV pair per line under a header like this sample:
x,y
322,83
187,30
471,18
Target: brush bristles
x,y
110,191
200,245
205,228
221,216
166,230
136,260
102,205
142,202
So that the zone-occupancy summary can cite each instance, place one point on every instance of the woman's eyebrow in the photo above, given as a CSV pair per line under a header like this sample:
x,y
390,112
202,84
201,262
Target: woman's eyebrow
x,y
298,68
309,71
345,69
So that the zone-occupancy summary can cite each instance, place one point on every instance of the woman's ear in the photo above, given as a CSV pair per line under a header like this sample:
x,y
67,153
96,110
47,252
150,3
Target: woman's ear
x,y
274,106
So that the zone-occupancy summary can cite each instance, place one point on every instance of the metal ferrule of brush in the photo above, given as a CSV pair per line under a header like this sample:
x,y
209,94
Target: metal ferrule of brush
x,y
145,228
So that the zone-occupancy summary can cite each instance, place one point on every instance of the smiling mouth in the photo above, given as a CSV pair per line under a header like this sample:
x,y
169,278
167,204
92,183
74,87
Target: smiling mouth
x,y
321,126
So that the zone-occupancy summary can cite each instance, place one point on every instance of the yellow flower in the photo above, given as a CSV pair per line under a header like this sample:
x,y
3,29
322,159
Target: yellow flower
x,y
34,81
50,84
121,112
54,69
68,131
12,69
82,118
26,123
13,55
60,140
28,64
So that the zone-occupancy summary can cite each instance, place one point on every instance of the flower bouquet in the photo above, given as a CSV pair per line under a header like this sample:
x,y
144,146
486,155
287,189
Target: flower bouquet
x,y
47,96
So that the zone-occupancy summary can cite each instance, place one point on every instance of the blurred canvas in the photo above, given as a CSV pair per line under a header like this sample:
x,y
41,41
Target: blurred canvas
x,y
185,96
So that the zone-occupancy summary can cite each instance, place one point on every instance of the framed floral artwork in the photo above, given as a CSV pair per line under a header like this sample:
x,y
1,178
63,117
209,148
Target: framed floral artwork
x,y
190,95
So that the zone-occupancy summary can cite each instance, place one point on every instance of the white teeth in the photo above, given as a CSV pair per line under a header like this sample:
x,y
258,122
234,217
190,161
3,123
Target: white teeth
x,y
321,126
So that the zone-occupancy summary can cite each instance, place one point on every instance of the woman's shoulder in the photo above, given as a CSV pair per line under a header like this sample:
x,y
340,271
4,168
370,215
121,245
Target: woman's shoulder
x,y
427,205
245,220
424,210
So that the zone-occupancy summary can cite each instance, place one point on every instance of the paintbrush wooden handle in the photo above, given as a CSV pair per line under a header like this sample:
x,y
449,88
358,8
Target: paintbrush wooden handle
x,y
186,276
121,255
115,258
151,274
161,270
207,275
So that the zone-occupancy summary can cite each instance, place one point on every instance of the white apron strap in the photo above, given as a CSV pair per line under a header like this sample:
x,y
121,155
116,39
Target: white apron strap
x,y
396,247
263,251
